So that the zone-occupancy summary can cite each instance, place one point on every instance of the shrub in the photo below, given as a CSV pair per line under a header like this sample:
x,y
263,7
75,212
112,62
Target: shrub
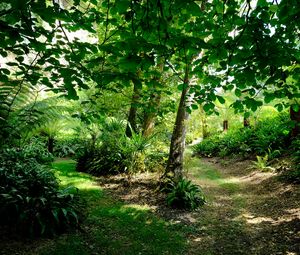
x,y
36,149
30,199
116,153
262,163
269,135
68,148
184,194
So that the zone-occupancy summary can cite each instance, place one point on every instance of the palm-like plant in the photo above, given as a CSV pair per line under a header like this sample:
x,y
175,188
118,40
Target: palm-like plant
x,y
22,112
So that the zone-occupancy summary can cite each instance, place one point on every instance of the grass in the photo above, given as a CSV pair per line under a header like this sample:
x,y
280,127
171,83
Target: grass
x,y
112,227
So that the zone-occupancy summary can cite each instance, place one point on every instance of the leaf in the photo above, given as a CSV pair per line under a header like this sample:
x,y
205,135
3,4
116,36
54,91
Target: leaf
x,y
238,92
295,107
269,97
182,86
194,106
208,106
279,107
221,99
246,115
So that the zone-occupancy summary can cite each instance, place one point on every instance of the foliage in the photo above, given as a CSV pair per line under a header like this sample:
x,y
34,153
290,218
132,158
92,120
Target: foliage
x,y
268,136
293,174
262,163
30,199
36,148
105,157
184,194
68,147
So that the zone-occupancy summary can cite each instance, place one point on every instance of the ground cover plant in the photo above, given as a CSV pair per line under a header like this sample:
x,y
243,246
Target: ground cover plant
x,y
31,201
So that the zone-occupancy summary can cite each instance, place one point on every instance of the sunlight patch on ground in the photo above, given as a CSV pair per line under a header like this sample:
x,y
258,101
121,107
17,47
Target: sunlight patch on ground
x,y
137,207
251,219
256,177
198,239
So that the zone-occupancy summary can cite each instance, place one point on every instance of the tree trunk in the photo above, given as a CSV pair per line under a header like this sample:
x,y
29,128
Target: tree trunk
x,y
204,124
50,144
131,121
150,114
175,162
225,125
246,122
295,117
154,102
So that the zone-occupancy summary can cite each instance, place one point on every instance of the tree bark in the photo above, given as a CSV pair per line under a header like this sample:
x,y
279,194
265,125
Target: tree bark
x,y
225,125
295,117
50,144
204,124
154,102
131,121
150,114
174,167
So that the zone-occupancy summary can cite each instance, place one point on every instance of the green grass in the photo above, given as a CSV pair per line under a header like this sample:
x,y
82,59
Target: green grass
x,y
112,227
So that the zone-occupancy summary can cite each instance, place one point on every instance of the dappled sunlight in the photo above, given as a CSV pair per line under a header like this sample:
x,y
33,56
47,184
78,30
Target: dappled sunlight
x,y
136,207
256,177
251,219
69,177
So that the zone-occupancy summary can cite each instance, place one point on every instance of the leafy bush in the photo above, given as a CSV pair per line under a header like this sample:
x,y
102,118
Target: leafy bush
x,y
262,163
68,148
116,153
30,199
269,135
105,157
184,194
37,149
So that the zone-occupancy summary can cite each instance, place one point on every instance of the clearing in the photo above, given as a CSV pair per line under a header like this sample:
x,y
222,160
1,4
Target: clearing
x,y
247,212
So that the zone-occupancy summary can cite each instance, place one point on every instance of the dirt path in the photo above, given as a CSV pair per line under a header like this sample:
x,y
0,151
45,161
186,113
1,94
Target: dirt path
x,y
248,212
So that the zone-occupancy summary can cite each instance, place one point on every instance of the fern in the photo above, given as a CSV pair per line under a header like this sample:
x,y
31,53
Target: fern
x,y
21,112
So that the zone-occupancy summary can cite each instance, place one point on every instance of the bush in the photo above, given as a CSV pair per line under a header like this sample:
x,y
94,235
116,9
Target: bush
x,y
268,135
30,199
68,148
184,194
37,149
116,153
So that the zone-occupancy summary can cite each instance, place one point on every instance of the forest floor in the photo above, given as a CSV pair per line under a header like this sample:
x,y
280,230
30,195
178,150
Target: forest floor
x,y
247,212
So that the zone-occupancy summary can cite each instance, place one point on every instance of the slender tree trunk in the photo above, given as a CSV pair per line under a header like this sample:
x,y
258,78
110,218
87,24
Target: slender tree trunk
x,y
50,144
225,125
150,114
203,124
154,102
131,121
175,162
246,122
295,116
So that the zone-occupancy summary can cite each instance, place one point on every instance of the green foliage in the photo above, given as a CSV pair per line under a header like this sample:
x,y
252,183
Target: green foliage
x,y
293,175
269,136
68,147
36,148
104,157
184,194
30,199
262,163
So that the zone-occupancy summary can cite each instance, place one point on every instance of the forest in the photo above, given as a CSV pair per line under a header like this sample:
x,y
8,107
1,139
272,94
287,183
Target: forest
x,y
149,127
